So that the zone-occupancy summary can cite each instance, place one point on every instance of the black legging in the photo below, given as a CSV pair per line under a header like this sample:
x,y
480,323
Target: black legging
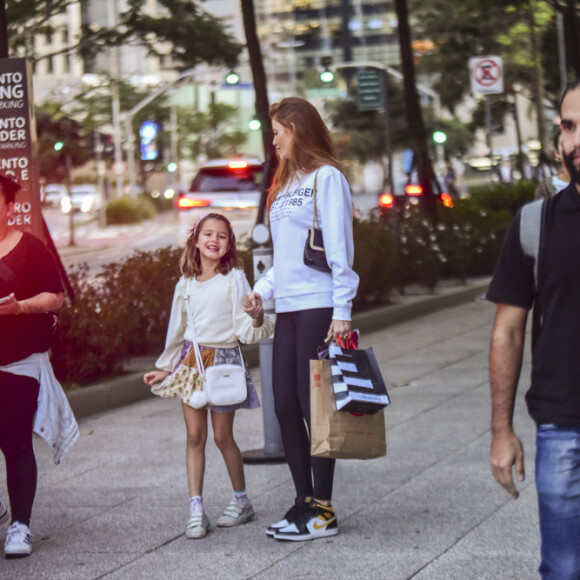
x,y
18,400
296,340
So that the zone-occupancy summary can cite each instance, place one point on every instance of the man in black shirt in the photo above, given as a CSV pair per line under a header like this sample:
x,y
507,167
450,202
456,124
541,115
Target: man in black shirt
x,y
554,396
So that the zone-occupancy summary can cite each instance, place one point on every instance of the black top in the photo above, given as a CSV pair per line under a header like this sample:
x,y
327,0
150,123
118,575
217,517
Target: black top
x,y
554,396
27,270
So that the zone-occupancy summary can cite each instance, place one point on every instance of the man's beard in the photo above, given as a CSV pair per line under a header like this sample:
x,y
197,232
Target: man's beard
x,y
572,169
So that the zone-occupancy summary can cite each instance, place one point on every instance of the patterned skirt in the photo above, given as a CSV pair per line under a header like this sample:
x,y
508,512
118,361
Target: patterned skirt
x,y
220,356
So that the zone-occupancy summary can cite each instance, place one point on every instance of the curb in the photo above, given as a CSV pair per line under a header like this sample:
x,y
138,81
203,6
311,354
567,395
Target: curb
x,y
130,388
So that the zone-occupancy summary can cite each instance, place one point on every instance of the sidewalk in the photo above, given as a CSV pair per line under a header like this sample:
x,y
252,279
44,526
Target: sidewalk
x,y
117,506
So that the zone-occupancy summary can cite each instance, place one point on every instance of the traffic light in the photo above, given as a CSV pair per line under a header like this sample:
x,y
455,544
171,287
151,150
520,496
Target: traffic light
x,y
148,133
326,76
439,137
232,78
58,145
255,124
108,146
172,167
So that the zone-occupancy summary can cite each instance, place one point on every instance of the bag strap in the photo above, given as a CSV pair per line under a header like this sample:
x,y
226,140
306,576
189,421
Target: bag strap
x,y
315,223
532,226
198,359
530,232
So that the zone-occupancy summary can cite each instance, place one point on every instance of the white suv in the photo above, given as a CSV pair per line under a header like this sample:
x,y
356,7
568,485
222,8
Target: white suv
x,y
227,186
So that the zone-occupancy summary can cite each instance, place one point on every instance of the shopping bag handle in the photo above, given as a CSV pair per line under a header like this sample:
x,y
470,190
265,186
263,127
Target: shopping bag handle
x,y
350,341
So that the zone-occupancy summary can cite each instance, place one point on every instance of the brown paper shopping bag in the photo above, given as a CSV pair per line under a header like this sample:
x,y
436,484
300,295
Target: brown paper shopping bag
x,y
339,434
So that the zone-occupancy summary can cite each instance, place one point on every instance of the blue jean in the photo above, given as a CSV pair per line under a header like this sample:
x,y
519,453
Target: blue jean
x,y
558,486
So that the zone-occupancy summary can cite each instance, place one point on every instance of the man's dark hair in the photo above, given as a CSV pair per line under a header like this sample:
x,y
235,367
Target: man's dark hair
x,y
569,87
8,188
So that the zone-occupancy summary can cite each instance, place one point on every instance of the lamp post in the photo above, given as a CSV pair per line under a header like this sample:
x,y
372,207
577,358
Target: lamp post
x,y
384,105
128,120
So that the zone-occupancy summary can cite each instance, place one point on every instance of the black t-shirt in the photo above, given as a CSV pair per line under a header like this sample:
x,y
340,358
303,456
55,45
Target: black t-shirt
x,y
27,270
554,396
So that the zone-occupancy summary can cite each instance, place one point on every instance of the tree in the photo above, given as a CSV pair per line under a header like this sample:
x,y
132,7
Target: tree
x,y
192,35
361,134
214,134
61,140
422,161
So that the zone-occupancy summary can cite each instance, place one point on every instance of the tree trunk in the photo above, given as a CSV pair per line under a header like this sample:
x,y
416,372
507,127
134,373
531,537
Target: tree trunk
x,y
262,105
538,78
570,20
413,109
3,30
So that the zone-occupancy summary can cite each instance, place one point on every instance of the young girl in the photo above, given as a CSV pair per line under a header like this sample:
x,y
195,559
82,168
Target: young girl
x,y
215,287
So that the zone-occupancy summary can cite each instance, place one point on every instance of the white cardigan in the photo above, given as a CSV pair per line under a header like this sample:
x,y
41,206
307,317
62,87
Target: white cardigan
x,y
218,316
55,421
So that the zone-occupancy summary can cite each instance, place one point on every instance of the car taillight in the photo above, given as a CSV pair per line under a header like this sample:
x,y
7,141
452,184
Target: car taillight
x,y
414,190
238,164
188,202
386,200
447,200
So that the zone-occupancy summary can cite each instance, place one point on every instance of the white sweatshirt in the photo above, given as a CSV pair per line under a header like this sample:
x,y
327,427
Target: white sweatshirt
x,y
218,316
292,284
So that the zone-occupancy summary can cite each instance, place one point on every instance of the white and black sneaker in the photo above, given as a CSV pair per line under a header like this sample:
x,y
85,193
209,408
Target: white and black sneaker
x,y
289,517
319,521
18,543
3,513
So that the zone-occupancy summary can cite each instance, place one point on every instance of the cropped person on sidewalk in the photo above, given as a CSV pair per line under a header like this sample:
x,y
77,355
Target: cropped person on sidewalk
x,y
30,289
215,285
554,183
310,304
554,397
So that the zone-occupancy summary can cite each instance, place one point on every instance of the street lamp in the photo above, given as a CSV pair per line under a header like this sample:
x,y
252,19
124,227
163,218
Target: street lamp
x,y
128,118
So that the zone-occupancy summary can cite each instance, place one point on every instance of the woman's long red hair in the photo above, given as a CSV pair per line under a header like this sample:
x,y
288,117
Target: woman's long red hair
x,y
312,145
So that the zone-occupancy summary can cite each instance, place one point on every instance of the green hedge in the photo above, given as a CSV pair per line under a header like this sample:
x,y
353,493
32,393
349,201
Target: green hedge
x,y
130,210
124,311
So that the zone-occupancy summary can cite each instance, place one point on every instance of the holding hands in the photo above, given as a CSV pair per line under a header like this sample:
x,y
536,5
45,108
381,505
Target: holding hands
x,y
253,307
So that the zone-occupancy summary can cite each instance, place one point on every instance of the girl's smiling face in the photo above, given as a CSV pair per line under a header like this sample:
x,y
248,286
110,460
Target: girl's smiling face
x,y
213,241
282,140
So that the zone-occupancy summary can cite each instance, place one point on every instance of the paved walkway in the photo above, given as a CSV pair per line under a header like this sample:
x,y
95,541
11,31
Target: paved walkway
x,y
117,506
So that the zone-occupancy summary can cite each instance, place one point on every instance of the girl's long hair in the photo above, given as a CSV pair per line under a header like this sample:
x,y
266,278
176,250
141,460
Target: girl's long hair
x,y
312,145
190,262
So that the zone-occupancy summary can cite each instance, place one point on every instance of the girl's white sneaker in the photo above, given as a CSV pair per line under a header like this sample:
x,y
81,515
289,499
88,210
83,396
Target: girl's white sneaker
x,y
198,525
236,515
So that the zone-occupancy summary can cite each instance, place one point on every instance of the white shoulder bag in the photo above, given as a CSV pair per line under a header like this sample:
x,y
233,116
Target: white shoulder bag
x,y
223,384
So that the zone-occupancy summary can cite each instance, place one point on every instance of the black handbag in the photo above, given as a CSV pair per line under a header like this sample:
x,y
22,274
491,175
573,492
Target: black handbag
x,y
314,254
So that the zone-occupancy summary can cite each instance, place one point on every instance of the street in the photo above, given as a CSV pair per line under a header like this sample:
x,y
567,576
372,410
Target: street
x,y
117,506
99,246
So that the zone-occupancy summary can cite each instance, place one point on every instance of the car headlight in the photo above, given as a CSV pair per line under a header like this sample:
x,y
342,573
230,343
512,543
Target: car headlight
x,y
65,204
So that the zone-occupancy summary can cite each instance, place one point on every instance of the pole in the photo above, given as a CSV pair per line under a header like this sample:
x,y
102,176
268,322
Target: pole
x,y
116,104
388,147
128,118
3,30
561,49
488,124
98,147
273,450
71,222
